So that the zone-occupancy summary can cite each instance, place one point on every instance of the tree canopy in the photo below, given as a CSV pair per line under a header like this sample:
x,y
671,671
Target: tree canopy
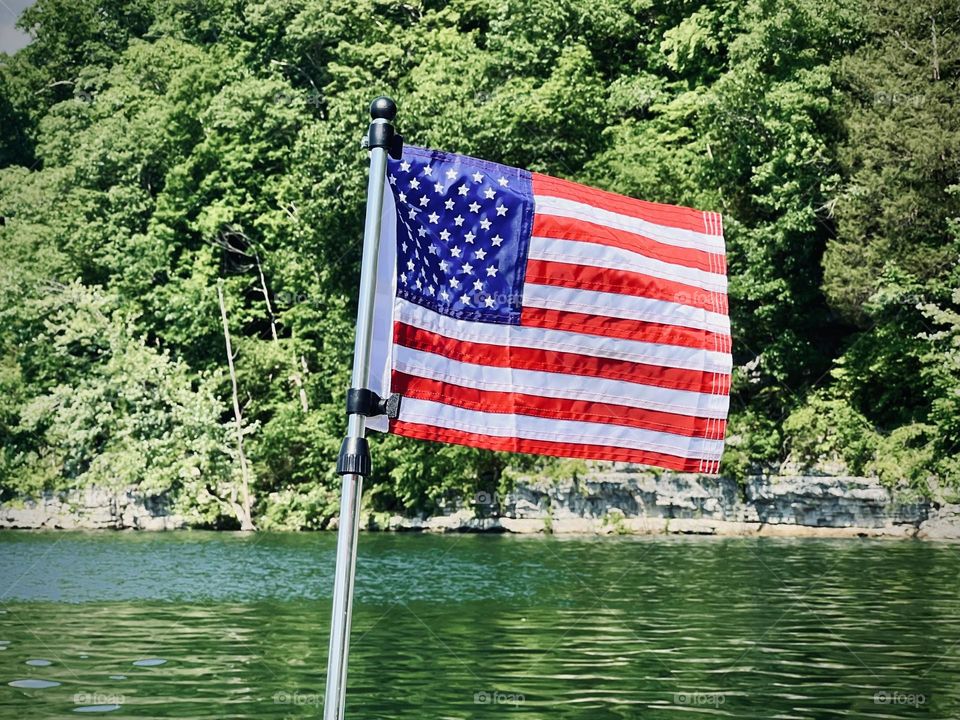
x,y
151,150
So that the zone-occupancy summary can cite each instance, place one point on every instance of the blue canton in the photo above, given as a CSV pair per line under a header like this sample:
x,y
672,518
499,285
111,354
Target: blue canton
x,y
463,229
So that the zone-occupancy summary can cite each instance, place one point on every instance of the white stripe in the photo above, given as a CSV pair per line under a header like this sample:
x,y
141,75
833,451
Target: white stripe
x,y
613,258
508,336
558,385
623,306
561,207
565,431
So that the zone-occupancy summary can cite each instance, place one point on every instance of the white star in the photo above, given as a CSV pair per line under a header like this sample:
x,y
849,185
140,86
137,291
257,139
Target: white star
x,y
489,193
419,284
433,217
444,295
402,196
496,240
502,181
488,301
421,231
492,271
393,179
455,251
454,283
430,290
409,264
438,187
403,278
448,204
444,235
462,189
433,249
424,201
478,285
428,170
477,177
415,184
464,299
413,213
444,265
405,166
485,224
404,245
451,174
480,254
458,220
467,269
469,237
501,210
474,207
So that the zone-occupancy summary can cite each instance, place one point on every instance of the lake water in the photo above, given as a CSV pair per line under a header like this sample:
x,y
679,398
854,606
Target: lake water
x,y
207,625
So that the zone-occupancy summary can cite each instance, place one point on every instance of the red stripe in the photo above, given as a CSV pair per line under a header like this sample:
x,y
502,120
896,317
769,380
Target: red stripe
x,y
624,328
543,447
522,358
569,275
670,215
555,408
564,228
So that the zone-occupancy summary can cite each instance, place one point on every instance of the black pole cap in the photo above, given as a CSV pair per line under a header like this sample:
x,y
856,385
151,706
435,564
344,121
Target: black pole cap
x,y
383,108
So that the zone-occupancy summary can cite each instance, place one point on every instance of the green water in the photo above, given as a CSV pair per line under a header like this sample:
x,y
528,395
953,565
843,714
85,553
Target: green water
x,y
203,625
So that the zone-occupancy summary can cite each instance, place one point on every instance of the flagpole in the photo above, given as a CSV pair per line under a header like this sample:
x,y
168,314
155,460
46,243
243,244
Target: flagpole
x,y
354,460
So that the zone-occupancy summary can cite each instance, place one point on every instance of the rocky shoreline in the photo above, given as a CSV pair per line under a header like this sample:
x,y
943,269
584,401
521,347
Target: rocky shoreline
x,y
618,501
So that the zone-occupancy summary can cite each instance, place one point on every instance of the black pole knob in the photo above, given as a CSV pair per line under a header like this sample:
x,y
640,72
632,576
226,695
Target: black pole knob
x,y
383,108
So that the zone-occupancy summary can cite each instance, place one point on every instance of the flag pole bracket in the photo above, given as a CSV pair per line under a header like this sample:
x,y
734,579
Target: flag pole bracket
x,y
366,402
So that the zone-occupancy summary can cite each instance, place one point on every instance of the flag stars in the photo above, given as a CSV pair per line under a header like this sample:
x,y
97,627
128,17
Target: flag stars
x,y
438,188
424,201
496,240
449,204
445,295
405,166
427,170
463,189
501,210
478,285
474,207
413,213
433,249
503,182
451,174
402,196
454,283
477,177
444,265
492,271
467,269
465,299
444,235
455,251
469,237
488,301
414,184
404,245
433,218
403,278
393,179
421,231
480,254
485,224
458,220
489,193
409,264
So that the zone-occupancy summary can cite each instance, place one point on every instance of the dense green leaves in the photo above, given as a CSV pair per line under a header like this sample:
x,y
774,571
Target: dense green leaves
x,y
151,149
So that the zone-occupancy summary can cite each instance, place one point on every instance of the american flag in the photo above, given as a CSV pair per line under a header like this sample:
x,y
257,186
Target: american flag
x,y
520,312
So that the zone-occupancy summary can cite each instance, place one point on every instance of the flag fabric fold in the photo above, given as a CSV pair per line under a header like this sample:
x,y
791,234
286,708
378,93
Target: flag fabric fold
x,y
520,312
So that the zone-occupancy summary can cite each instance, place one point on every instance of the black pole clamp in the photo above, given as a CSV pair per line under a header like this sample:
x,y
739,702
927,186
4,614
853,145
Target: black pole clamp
x,y
361,401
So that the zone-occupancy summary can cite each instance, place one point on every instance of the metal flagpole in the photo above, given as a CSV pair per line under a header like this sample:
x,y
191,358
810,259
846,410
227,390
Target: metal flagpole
x,y
354,460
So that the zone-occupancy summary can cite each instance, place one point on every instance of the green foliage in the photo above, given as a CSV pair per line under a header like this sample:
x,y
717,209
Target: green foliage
x,y
174,145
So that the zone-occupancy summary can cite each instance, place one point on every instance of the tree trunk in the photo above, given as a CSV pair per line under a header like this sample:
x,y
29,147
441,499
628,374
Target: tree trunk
x,y
243,510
